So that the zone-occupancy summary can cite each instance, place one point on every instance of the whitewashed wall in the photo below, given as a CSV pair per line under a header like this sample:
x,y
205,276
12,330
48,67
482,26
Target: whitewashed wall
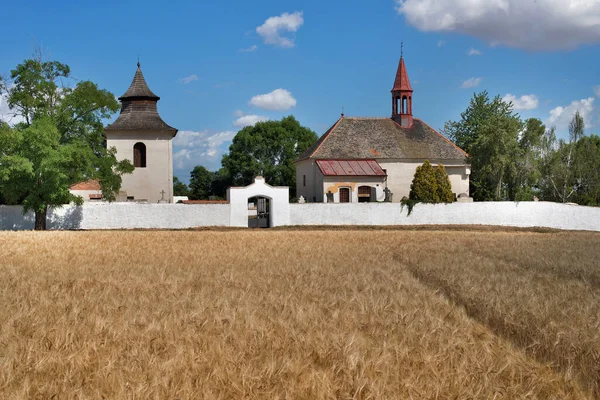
x,y
182,216
278,195
522,214
121,216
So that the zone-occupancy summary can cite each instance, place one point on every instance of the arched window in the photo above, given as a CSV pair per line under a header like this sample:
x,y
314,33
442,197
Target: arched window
x,y
404,101
397,103
139,155
364,194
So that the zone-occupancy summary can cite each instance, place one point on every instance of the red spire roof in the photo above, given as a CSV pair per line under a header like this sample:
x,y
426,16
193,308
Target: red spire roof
x,y
402,83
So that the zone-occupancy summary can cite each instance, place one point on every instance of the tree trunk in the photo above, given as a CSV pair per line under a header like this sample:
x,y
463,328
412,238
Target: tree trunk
x,y
40,219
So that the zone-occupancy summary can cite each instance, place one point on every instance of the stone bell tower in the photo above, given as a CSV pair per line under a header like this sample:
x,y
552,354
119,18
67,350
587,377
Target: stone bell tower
x,y
140,135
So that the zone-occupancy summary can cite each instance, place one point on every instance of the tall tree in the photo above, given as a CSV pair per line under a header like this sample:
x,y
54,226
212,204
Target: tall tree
x,y
69,123
180,188
268,149
562,176
37,170
488,131
524,175
201,182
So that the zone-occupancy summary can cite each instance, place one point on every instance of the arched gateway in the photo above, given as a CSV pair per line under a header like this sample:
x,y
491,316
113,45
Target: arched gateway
x,y
273,202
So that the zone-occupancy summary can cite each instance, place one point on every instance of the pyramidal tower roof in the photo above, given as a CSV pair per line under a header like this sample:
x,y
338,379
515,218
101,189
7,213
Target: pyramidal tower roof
x,y
401,83
139,111
139,88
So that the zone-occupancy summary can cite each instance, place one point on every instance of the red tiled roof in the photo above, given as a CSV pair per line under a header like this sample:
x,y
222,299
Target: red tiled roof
x,y
401,83
91,184
350,168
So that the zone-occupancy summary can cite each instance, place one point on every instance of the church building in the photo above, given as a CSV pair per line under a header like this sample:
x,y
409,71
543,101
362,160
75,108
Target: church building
x,y
375,159
140,135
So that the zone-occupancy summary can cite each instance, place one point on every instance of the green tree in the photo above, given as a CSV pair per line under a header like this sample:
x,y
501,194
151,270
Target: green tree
x,y
37,170
69,122
488,131
443,185
179,188
268,149
201,182
587,168
524,175
424,187
562,174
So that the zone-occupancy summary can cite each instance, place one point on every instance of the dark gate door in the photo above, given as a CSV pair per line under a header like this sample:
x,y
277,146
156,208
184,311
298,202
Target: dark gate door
x,y
261,219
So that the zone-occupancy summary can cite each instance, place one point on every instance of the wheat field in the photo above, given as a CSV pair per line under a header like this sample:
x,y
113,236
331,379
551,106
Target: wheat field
x,y
307,314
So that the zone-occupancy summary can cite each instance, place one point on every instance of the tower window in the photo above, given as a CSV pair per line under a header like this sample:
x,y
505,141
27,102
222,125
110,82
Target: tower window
x,y
404,101
139,155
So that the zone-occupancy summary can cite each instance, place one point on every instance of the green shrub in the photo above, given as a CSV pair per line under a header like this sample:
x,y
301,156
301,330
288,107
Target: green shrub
x,y
431,185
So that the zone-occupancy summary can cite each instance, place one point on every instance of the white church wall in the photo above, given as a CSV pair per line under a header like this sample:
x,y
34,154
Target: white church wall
x,y
401,173
146,183
522,214
121,216
334,183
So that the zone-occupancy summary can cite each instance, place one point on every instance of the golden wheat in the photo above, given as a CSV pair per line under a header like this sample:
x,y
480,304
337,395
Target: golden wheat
x,y
294,315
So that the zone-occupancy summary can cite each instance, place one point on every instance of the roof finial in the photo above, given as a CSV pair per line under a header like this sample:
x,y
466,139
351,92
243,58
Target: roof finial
x,y
342,111
138,64
401,49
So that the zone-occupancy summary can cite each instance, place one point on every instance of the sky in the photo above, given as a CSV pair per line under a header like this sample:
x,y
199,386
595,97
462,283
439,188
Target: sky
x,y
220,66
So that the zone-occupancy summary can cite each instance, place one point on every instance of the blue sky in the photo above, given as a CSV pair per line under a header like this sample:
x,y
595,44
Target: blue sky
x,y
220,65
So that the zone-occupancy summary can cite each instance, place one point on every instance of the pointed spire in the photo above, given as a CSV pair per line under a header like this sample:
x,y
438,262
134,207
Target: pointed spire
x,y
139,88
401,83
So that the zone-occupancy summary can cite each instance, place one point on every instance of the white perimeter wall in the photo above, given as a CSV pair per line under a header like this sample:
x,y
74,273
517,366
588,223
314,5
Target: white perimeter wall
x,y
121,216
522,214
181,216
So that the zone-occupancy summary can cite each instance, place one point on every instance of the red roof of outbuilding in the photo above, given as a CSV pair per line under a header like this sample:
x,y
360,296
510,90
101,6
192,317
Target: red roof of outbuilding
x,y
350,168
91,184
401,82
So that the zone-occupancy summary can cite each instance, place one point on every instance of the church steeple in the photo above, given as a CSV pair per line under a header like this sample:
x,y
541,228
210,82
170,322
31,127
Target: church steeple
x,y
402,96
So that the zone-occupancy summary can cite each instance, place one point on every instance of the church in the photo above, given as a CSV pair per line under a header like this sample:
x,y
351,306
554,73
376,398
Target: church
x,y
375,159
141,136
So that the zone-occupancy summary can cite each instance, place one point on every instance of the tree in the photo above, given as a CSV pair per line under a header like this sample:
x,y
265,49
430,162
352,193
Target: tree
x,y
268,149
524,175
37,170
201,182
488,131
444,187
60,141
180,188
563,179
428,185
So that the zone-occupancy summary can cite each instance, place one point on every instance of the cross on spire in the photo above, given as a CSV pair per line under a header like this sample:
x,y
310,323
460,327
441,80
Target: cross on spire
x,y
401,49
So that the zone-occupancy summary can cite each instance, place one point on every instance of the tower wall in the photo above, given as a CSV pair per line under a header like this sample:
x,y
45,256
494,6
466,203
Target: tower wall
x,y
146,183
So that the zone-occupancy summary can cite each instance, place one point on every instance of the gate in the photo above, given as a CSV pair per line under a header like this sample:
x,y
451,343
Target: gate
x,y
262,217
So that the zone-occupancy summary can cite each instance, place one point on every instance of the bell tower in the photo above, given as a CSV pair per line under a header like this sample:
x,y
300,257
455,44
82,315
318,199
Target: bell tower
x,y
402,96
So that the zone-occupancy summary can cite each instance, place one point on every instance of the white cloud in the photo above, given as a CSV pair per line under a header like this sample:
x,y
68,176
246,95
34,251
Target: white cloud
x,y
274,27
597,91
526,24
474,52
561,116
189,79
191,148
248,120
525,102
6,114
277,100
249,49
470,83
440,43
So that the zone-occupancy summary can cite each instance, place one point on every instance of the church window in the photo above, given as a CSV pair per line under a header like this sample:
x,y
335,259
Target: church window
x,y
404,101
139,155
344,195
